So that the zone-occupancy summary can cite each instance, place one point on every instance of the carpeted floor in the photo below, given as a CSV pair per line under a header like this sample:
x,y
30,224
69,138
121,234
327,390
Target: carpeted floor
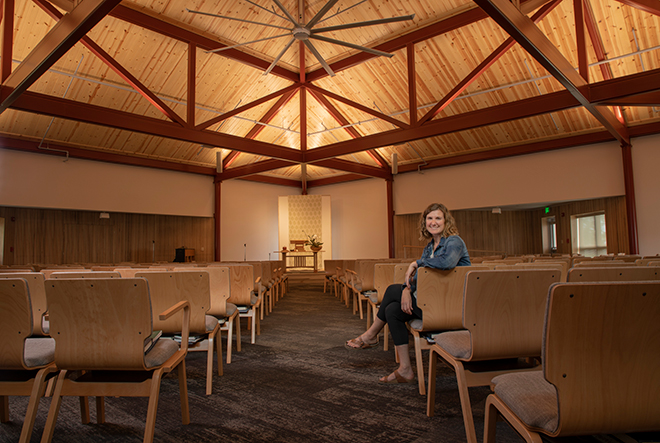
x,y
297,384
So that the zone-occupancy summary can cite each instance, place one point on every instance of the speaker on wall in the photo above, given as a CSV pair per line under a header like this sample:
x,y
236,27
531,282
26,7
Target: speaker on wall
x,y
395,165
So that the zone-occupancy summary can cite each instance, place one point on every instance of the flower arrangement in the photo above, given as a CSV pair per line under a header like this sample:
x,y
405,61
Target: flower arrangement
x,y
312,240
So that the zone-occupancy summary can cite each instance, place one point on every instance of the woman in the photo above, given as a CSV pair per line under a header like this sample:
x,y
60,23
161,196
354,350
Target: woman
x,y
446,250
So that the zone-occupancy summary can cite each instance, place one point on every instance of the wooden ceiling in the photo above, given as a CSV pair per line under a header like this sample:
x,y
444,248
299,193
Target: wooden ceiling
x,y
137,82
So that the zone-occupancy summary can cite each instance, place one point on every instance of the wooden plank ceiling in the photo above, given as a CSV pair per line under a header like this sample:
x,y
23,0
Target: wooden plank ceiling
x,y
140,82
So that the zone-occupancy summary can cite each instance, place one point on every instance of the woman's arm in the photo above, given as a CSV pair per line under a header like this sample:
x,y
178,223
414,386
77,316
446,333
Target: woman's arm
x,y
447,257
410,272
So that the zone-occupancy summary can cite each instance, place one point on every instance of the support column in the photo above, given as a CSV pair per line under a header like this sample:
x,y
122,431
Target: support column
x,y
631,210
218,193
390,217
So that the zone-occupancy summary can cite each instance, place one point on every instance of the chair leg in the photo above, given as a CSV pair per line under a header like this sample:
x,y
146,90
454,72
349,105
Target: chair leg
x,y
84,410
386,338
4,409
495,407
100,410
154,392
54,409
183,392
420,364
238,333
38,388
230,331
254,326
209,365
490,422
430,396
218,351
464,395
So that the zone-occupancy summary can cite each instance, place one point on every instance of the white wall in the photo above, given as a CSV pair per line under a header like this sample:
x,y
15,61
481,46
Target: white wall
x,y
646,164
250,218
359,218
46,181
588,172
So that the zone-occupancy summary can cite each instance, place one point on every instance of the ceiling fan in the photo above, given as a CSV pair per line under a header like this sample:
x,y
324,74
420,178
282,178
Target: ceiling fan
x,y
304,32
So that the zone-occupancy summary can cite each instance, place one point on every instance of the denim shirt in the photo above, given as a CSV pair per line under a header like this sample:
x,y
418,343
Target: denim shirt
x,y
451,252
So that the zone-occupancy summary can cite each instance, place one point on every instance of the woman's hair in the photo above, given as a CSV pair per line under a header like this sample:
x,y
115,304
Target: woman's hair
x,y
450,224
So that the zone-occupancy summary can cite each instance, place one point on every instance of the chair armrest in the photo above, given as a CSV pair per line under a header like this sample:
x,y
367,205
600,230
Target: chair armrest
x,y
185,305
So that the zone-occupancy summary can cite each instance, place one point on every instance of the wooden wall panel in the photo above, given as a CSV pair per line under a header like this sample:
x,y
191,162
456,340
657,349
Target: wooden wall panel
x,y
46,236
519,232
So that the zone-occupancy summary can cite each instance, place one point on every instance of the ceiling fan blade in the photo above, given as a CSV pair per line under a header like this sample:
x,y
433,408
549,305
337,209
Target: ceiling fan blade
x,y
277,59
319,15
265,9
341,11
351,45
289,16
367,23
247,43
325,65
237,19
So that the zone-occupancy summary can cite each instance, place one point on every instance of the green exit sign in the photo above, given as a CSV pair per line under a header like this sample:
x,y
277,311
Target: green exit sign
x,y
547,210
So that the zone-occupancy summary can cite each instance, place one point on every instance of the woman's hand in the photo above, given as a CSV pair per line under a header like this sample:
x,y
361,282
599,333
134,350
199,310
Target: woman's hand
x,y
406,301
410,272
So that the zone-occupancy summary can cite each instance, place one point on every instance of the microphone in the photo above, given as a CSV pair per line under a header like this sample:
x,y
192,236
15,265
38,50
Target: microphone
x,y
244,251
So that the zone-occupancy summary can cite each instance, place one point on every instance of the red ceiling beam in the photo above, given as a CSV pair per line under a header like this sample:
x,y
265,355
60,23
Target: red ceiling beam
x,y
482,67
72,110
650,6
253,168
57,42
580,40
648,99
412,84
554,102
18,144
530,37
273,180
339,118
240,109
358,106
192,85
348,166
425,33
116,67
7,11
335,180
176,32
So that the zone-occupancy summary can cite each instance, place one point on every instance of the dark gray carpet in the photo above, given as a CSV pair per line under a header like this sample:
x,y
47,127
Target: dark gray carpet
x,y
297,384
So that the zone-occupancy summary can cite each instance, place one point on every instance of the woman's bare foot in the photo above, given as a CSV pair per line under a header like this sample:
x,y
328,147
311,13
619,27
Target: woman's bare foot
x,y
361,343
399,376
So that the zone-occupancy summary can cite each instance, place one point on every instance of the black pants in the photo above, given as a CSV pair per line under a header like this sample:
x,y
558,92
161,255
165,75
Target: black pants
x,y
391,313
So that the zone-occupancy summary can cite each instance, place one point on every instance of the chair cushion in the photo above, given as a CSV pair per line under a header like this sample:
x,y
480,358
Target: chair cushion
x,y
373,297
416,324
231,308
38,351
161,351
457,343
211,322
45,325
254,299
531,397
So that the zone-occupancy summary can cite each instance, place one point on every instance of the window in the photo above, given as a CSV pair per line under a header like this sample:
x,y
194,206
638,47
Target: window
x,y
589,235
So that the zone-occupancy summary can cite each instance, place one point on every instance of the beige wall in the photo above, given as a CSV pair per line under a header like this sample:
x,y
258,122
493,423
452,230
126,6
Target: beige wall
x,y
568,174
46,181
359,218
646,163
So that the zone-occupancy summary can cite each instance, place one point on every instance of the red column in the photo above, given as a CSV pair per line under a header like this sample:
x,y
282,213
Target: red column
x,y
631,210
390,217
218,191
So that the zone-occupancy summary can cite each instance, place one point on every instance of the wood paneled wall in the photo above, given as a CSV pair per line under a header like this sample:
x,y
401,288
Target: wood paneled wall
x,y
47,236
519,232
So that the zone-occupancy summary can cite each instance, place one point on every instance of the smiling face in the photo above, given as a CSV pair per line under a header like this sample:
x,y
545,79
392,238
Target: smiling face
x,y
435,223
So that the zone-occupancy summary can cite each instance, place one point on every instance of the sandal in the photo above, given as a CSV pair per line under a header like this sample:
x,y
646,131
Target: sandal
x,y
399,379
359,344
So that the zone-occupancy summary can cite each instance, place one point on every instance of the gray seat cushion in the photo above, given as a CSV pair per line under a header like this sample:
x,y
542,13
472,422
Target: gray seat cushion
x,y
373,297
162,350
416,324
457,343
38,352
231,308
531,397
211,322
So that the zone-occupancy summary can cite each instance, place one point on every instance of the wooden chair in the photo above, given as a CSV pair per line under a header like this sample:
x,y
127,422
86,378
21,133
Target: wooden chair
x,y
503,320
26,362
385,274
546,264
85,274
603,264
601,360
243,296
627,273
440,297
100,327
167,289
37,289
